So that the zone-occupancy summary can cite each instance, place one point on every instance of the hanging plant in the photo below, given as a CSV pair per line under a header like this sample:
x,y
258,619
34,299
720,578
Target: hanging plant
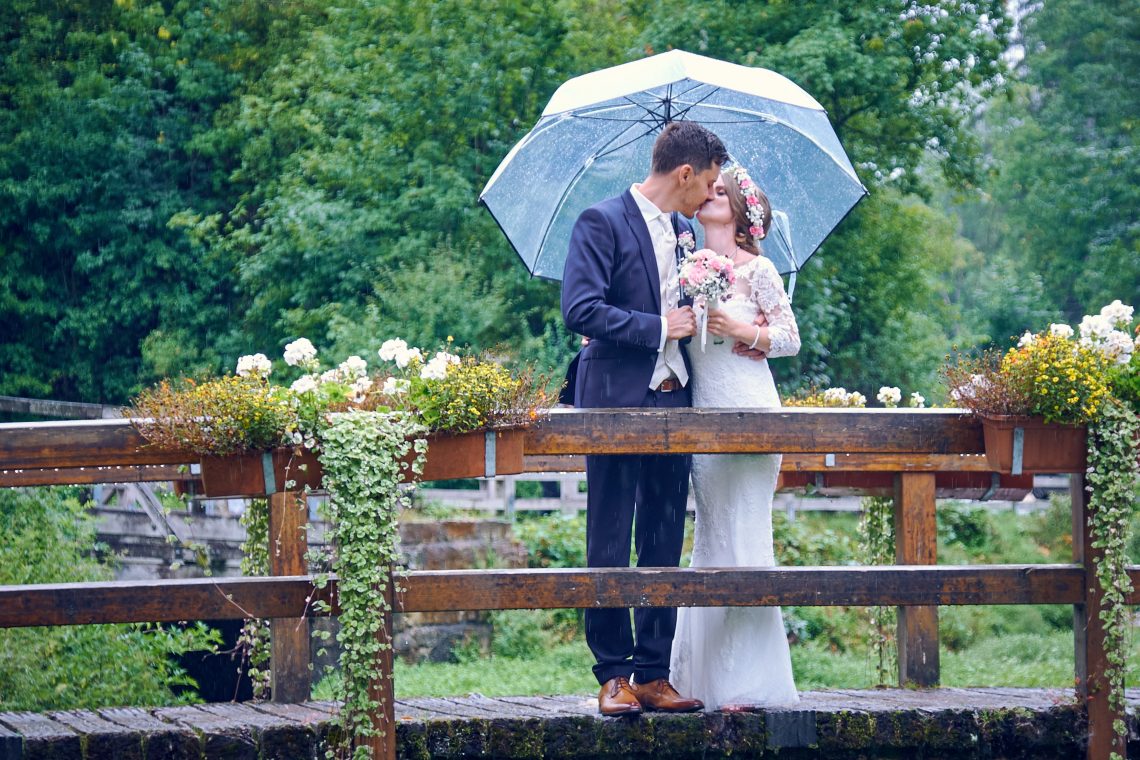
x,y
361,454
253,641
877,539
1111,481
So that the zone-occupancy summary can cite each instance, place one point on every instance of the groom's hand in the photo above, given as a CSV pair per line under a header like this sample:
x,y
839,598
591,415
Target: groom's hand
x,y
742,349
680,323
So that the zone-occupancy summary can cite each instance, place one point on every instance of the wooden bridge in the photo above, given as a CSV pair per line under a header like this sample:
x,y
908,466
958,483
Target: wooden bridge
x,y
914,445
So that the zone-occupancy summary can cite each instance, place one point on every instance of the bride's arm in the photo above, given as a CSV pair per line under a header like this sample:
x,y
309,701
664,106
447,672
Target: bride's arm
x,y
782,333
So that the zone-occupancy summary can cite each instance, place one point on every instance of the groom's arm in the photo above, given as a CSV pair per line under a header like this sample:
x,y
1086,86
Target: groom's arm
x,y
587,282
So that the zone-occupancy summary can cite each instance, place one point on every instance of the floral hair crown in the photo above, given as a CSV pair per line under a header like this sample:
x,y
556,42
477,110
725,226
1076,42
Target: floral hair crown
x,y
752,205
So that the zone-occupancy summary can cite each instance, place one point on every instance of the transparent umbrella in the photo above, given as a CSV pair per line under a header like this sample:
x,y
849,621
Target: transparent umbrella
x,y
595,136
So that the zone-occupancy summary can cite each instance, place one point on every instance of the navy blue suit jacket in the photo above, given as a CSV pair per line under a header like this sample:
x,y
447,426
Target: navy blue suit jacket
x,y
611,294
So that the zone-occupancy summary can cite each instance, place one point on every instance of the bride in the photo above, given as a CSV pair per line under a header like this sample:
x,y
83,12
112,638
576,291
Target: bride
x,y
737,657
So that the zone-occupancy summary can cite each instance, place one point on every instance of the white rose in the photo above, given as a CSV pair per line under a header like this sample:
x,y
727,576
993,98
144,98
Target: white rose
x,y
254,364
1061,331
855,398
1026,339
300,352
304,384
917,400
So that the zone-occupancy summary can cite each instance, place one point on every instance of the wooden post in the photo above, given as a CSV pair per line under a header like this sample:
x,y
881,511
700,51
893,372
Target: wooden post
x,y
916,543
1088,635
382,687
291,678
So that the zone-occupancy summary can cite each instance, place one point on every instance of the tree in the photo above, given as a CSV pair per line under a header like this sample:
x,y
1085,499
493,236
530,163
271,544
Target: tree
x,y
1065,187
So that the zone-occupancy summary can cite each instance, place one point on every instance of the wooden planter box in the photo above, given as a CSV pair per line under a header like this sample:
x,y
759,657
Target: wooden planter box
x,y
1029,444
464,455
260,473
474,455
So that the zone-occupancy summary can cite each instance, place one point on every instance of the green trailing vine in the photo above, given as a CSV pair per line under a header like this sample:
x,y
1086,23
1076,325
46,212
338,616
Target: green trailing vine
x,y
362,453
1111,481
877,542
253,641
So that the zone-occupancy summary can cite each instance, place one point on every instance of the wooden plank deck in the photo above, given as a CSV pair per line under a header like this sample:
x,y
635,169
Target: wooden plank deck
x,y
888,723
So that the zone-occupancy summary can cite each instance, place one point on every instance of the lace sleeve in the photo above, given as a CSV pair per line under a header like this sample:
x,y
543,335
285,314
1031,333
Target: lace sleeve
x,y
768,294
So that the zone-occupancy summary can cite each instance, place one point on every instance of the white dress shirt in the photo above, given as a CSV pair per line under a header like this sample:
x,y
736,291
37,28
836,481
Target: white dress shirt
x,y
670,363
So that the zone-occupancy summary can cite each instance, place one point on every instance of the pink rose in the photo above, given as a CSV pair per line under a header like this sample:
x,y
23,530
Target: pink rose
x,y
752,200
754,231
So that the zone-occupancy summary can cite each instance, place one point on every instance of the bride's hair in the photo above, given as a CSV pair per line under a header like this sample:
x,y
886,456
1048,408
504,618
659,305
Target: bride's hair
x,y
736,202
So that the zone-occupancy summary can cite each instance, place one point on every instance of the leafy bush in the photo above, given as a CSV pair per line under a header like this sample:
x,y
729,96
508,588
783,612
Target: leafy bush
x,y
49,538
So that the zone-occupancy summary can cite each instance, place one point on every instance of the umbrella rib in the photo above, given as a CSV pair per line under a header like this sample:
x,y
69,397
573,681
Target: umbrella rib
x,y
713,91
604,152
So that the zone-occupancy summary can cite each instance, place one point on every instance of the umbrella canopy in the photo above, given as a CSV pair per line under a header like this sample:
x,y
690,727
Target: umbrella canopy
x,y
595,137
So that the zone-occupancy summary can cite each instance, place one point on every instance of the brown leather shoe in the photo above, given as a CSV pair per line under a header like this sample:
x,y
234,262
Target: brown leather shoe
x,y
661,696
617,698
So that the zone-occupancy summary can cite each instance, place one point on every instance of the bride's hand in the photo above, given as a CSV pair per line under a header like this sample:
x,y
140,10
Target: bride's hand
x,y
724,326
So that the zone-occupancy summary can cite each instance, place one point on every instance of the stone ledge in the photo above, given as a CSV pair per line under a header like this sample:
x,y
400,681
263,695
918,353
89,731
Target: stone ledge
x,y
947,723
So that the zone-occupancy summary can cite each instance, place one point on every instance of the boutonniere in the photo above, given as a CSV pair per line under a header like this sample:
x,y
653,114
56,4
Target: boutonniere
x,y
687,242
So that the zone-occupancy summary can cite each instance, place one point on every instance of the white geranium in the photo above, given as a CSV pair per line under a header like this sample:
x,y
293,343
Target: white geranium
x,y
300,353
353,366
855,398
394,386
436,369
1118,346
835,395
360,387
889,396
917,400
330,376
254,364
1060,330
1095,328
1117,313
1026,339
304,384
970,389
397,350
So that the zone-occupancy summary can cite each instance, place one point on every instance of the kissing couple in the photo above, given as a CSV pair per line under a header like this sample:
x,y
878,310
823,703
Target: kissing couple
x,y
622,292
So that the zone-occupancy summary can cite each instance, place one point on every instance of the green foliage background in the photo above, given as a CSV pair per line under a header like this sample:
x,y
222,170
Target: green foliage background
x,y
48,538
185,181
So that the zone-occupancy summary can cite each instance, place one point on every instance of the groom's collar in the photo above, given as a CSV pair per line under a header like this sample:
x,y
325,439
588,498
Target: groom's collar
x,y
647,208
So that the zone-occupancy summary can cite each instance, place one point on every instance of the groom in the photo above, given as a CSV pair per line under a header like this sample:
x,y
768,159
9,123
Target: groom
x,y
619,289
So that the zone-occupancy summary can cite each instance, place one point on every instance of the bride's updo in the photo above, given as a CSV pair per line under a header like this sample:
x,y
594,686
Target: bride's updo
x,y
745,234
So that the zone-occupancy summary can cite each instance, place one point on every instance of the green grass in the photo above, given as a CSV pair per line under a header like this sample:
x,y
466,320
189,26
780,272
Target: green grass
x,y
543,652
1019,660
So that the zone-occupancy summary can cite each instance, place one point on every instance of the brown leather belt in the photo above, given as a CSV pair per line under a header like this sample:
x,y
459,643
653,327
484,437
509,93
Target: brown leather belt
x,y
670,384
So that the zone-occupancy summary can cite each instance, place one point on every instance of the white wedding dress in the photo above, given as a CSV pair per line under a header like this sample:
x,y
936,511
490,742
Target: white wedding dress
x,y
737,656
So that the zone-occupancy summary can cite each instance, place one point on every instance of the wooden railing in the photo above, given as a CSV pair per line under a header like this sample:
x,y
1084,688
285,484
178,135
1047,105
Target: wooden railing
x,y
913,444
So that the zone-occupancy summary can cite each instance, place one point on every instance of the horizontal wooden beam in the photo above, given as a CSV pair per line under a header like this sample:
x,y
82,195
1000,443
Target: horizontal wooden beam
x,y
431,591
94,443
37,445
795,462
74,476
756,431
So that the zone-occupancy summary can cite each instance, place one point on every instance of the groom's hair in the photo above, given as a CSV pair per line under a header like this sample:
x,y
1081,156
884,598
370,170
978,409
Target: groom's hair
x,y
687,142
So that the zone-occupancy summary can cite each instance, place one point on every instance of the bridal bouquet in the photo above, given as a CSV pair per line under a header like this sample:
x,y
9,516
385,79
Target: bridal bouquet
x,y
706,277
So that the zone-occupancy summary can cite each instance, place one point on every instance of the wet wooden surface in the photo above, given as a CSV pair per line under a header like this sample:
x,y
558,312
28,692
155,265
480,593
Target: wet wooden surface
x,y
947,722
434,591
